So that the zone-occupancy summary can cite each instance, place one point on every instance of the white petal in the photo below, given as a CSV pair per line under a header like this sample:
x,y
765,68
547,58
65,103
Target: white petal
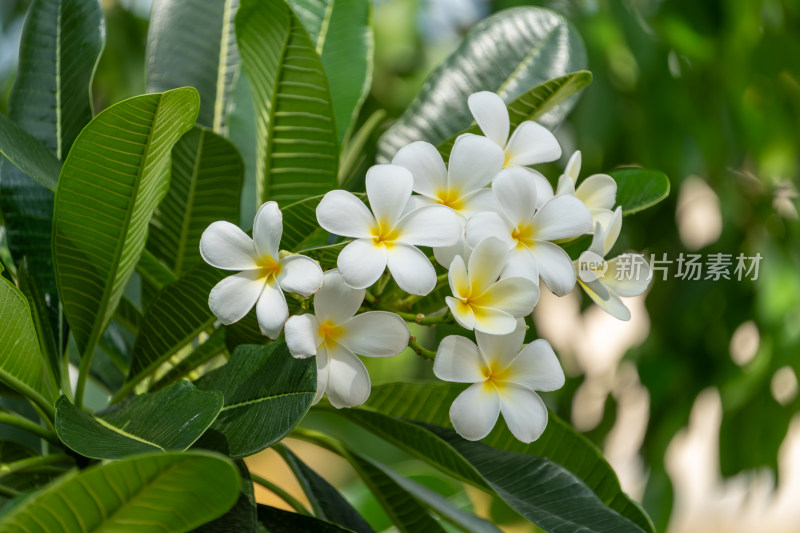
x,y
484,225
477,202
322,373
474,412
458,278
598,191
486,262
544,190
521,264
491,115
536,367
301,335
445,254
411,269
462,313
555,267
342,213
515,191
524,412
606,299
300,274
611,230
501,349
267,230
565,185
388,189
474,161
348,379
430,225
515,296
361,263
223,245
458,360
627,275
573,168
563,217
336,301
425,163
375,334
233,297
493,321
271,310
530,144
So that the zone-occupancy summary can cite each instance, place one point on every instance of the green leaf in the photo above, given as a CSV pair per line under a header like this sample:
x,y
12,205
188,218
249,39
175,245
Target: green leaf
x,y
639,188
540,490
243,516
51,101
153,272
327,502
267,392
211,348
167,420
177,315
103,203
534,103
22,365
173,492
327,255
297,144
430,402
180,55
204,187
341,31
299,222
279,521
508,53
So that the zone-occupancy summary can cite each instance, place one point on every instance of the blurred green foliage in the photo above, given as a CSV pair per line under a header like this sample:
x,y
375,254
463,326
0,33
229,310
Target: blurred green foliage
x,y
693,88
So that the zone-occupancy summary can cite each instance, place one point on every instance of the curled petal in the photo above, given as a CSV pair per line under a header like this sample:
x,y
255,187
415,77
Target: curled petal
x,y
348,380
411,269
536,367
565,185
461,312
322,373
430,225
598,191
342,213
573,168
336,301
362,262
493,321
271,310
233,297
491,115
474,161
475,411
375,334
515,296
302,335
388,189
223,245
627,275
524,412
267,230
458,278
607,300
300,274
530,144
563,217
555,267
458,360
425,163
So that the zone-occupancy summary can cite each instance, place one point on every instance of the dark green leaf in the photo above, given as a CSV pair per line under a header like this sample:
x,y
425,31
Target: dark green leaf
x,y
179,55
28,155
152,271
299,222
267,392
639,188
508,53
205,187
173,492
243,516
279,521
103,204
297,144
167,420
327,502
327,255
211,348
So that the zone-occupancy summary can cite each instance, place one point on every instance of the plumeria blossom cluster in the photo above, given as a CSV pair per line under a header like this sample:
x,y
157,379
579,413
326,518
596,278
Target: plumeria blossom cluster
x,y
495,227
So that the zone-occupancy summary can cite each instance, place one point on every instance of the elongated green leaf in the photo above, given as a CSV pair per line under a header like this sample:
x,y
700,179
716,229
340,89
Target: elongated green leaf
x,y
341,31
297,145
22,365
430,402
299,222
168,420
59,50
267,392
153,272
204,187
179,54
173,492
534,103
243,516
508,53
103,203
211,348
540,490
278,521
639,188
327,502
175,317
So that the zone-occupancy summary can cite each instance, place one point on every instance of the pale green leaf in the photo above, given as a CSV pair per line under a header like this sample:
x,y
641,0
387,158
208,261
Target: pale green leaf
x,y
639,188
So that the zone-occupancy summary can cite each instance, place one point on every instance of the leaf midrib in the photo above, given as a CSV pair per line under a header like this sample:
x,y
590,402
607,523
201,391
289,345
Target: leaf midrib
x,y
124,433
222,67
183,235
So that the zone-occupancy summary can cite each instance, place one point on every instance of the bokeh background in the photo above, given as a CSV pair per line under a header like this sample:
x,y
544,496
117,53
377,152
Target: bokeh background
x,y
694,400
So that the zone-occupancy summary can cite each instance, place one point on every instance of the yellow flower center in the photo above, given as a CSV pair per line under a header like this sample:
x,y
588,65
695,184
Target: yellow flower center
x,y
494,374
330,332
525,235
270,268
383,235
451,198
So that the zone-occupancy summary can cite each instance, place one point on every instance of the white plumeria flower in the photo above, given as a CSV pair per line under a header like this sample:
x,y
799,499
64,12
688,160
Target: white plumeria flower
x,y
264,275
482,302
389,237
461,186
334,333
504,376
530,144
605,281
527,229
598,192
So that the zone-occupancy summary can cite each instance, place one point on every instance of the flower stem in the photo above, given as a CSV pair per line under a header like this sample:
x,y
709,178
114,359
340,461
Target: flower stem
x,y
421,319
34,464
421,350
280,493
24,424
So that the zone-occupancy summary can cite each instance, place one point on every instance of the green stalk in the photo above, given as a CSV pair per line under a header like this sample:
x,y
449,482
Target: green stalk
x,y
26,425
34,464
282,494
421,350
